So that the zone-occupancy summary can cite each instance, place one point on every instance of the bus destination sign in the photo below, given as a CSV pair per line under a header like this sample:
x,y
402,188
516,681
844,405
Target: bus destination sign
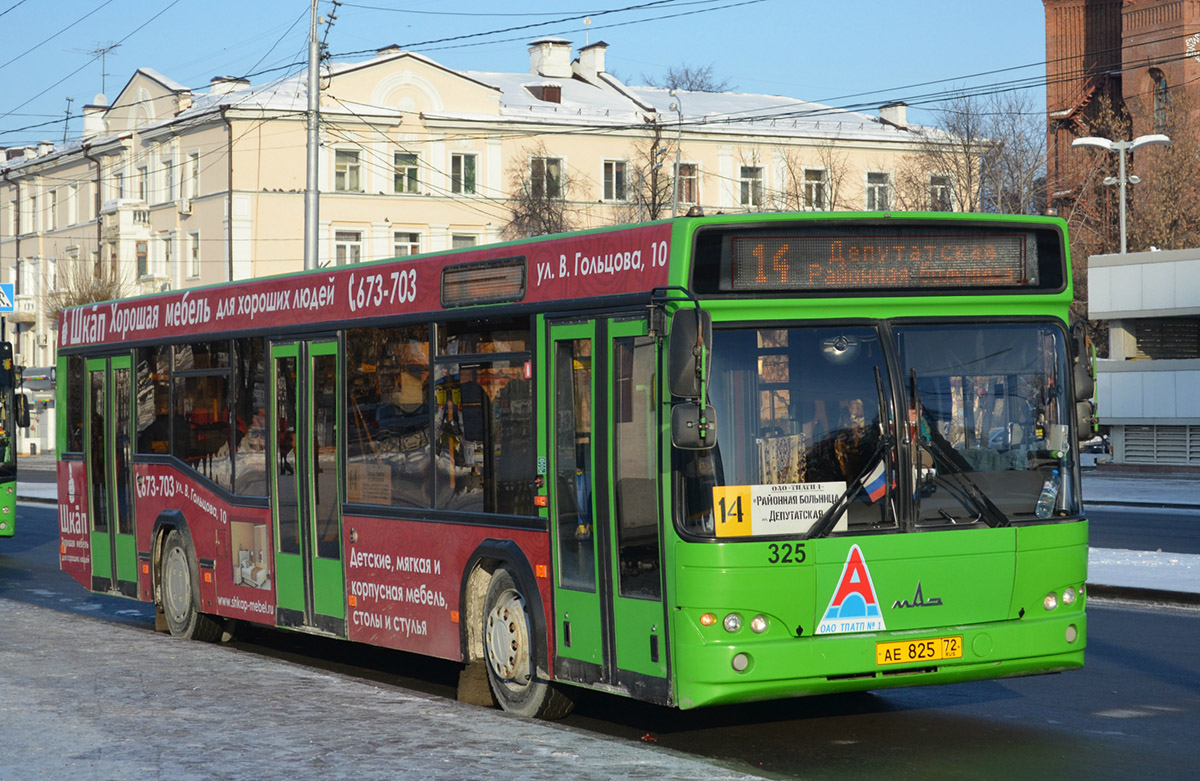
x,y
880,261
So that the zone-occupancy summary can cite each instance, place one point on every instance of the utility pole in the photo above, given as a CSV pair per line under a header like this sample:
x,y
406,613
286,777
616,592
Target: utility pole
x,y
67,124
313,144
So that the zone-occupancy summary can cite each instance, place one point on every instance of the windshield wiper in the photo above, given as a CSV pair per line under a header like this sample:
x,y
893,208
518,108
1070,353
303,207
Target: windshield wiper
x,y
968,492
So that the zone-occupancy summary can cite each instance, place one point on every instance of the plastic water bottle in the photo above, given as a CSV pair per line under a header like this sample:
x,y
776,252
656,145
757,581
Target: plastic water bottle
x,y
1048,497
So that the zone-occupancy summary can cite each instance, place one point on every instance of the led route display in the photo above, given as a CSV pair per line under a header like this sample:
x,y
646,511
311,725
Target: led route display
x,y
875,261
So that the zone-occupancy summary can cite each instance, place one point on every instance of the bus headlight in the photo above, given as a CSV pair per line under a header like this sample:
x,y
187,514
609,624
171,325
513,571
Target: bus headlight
x,y
733,622
1068,597
1051,601
758,624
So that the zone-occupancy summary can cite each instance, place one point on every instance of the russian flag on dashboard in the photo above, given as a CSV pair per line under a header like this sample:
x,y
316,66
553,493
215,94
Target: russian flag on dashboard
x,y
874,483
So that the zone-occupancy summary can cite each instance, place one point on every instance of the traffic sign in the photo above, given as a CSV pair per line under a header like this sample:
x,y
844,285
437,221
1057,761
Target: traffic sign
x,y
7,297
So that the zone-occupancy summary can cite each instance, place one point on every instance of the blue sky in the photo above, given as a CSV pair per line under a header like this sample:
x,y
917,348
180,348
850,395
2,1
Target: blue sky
x,y
821,51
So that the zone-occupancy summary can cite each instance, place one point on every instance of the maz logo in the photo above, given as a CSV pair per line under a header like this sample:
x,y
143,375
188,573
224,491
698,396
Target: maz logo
x,y
918,600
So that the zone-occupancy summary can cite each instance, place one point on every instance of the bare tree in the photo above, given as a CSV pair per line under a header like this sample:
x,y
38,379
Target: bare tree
x,y
80,282
816,184
946,172
1164,210
538,205
690,77
1013,170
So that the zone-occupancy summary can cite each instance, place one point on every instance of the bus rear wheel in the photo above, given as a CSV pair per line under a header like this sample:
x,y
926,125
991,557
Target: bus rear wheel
x,y
178,606
508,647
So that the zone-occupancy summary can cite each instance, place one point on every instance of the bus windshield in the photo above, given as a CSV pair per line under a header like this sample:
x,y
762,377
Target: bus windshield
x,y
799,410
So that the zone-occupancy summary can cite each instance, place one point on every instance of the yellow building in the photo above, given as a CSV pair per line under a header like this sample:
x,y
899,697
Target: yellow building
x,y
169,188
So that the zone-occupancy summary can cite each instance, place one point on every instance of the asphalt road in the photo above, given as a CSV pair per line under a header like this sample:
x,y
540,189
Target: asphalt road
x,y
1133,711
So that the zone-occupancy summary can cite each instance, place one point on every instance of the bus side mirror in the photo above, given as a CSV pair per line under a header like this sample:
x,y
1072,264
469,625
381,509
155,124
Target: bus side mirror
x,y
1085,420
693,426
22,410
691,341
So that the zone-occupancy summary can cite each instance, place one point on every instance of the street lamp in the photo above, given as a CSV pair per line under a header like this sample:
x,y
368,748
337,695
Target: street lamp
x,y
1121,147
678,148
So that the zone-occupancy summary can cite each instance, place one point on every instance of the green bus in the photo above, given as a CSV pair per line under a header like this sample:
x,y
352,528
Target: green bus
x,y
698,461
14,414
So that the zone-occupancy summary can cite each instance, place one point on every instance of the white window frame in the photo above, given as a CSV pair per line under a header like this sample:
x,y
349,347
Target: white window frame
x,y
750,185
193,175
946,191
52,210
616,180
871,191
457,240
406,176
809,189
411,243
347,171
194,255
168,169
534,176
347,247
459,183
143,183
694,179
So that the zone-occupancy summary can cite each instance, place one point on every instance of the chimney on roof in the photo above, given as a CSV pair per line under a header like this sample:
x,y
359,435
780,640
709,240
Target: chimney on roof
x,y
183,101
550,57
391,48
590,62
94,122
223,85
895,114
44,148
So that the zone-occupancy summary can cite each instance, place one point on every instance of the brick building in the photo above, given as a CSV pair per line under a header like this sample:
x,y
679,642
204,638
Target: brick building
x,y
1141,54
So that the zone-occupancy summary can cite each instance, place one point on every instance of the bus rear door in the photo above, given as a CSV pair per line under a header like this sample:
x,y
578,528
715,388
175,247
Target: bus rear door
x,y
109,401
604,503
310,591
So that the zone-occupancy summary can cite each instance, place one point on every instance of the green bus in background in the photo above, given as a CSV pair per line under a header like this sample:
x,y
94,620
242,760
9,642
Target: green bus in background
x,y
698,461
13,415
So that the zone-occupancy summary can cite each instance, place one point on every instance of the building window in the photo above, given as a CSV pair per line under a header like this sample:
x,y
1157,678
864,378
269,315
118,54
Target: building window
x,y
545,177
52,211
168,181
143,260
167,258
73,205
689,183
406,243
347,247
461,240
346,172
879,187
816,189
35,217
1162,100
193,175
406,175
941,194
143,177
118,184
194,255
751,178
614,180
462,174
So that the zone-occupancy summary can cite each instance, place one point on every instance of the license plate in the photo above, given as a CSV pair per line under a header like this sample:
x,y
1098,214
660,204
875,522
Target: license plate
x,y
929,650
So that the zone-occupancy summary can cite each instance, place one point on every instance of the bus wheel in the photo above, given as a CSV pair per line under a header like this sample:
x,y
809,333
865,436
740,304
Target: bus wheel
x,y
183,619
508,647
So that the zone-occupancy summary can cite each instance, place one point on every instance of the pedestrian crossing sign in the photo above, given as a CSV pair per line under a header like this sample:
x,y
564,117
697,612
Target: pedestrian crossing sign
x,y
6,297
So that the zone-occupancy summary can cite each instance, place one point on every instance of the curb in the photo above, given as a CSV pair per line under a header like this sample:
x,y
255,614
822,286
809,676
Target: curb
x,y
1098,503
1144,594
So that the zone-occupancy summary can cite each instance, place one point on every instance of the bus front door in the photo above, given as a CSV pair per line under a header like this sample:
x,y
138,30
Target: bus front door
x,y
310,591
109,401
604,505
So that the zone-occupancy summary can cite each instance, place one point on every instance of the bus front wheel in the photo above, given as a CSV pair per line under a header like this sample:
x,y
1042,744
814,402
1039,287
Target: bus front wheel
x,y
178,605
509,649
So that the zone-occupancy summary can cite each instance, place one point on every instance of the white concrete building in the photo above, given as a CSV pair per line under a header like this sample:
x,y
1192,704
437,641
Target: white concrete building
x,y
1149,386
